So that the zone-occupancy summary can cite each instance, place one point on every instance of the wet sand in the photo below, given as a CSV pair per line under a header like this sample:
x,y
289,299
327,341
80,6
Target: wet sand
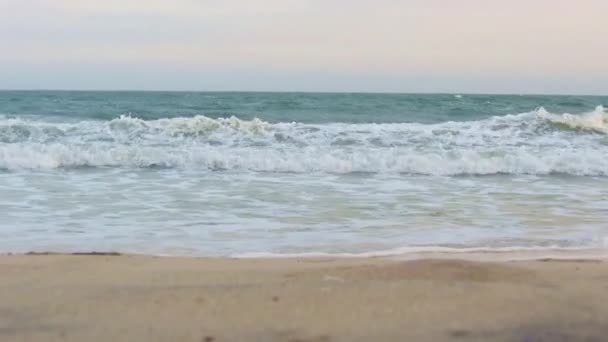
x,y
137,298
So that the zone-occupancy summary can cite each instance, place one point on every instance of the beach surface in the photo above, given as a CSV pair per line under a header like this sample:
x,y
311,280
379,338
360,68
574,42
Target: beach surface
x,y
144,298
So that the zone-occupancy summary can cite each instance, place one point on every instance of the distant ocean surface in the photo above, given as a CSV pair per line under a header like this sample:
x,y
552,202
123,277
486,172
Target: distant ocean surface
x,y
237,174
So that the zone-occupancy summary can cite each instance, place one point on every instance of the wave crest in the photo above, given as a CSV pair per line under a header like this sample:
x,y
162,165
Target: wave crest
x,y
527,143
193,126
596,120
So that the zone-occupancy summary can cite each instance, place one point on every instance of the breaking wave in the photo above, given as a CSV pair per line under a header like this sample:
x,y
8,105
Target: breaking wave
x,y
594,121
537,142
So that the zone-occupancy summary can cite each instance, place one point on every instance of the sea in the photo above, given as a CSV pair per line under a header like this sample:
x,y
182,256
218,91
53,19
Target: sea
x,y
294,174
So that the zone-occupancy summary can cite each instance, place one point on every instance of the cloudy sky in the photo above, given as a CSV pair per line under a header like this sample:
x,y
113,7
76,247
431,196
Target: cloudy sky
x,y
487,46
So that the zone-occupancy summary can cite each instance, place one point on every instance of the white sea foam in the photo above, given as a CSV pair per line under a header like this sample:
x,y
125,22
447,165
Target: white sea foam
x,y
596,120
479,253
528,143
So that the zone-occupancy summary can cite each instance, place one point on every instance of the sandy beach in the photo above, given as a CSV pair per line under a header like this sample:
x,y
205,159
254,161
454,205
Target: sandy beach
x,y
138,298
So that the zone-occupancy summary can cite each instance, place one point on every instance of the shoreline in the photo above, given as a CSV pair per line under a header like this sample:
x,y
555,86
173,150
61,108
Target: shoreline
x,y
100,297
404,254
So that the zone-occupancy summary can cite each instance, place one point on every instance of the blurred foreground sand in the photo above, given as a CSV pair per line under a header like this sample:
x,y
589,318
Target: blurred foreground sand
x,y
139,298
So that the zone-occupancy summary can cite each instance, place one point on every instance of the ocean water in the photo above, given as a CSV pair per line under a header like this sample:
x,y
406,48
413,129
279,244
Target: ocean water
x,y
225,174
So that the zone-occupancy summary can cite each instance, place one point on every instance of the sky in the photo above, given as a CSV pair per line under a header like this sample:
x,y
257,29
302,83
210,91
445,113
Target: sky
x,y
460,46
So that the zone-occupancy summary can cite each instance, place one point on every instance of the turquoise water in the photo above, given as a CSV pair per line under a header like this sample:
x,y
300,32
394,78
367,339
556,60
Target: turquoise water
x,y
285,107
291,173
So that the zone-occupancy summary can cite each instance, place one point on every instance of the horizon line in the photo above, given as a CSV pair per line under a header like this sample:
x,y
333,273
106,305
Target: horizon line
x,y
296,92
